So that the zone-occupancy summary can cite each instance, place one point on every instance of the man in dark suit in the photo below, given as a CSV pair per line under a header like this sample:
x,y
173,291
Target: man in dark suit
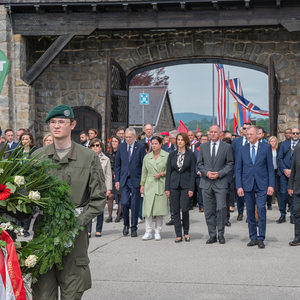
x,y
9,136
215,161
171,144
148,129
237,143
255,175
285,158
120,132
294,190
287,135
128,169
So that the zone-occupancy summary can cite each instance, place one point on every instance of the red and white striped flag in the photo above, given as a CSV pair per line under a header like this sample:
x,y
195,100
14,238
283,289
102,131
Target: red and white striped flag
x,y
221,97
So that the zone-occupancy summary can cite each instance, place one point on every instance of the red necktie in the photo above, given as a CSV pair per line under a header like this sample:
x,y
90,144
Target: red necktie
x,y
149,146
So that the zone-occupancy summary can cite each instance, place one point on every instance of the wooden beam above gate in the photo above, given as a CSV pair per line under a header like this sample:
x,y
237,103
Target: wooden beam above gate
x,y
33,24
47,58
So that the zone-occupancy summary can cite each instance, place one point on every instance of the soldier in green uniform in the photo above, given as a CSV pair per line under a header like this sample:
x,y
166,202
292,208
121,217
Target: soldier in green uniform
x,y
81,169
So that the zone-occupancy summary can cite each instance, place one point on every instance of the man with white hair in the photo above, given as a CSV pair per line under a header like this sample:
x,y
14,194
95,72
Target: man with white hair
x,y
128,170
148,129
171,144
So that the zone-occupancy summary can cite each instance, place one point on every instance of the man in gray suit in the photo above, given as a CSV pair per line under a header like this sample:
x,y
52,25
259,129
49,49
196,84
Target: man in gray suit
x,y
215,161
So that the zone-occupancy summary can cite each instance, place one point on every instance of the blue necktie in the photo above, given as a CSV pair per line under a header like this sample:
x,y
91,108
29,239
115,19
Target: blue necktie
x,y
129,153
253,154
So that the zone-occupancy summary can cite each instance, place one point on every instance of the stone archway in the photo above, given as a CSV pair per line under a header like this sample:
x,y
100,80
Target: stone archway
x,y
77,76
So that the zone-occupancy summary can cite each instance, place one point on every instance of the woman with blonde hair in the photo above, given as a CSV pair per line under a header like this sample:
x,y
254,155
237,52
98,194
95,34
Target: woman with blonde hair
x,y
48,139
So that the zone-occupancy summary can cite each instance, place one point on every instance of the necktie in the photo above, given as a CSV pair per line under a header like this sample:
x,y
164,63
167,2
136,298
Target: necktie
x,y
213,155
149,146
246,141
253,154
293,145
129,153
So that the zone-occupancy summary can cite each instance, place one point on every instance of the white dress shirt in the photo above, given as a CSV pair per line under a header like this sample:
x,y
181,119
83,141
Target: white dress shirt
x,y
256,147
245,141
216,147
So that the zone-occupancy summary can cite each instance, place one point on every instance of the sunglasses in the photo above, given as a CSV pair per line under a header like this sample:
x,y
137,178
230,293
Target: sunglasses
x,y
295,132
96,145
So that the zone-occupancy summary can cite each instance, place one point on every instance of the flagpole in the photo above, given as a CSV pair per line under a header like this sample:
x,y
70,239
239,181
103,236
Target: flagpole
x,y
213,94
228,103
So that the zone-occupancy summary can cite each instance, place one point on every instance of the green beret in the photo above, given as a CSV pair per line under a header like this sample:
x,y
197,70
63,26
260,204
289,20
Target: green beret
x,y
60,111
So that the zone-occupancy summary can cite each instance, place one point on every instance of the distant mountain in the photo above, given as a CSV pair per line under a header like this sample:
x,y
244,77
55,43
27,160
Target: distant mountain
x,y
187,117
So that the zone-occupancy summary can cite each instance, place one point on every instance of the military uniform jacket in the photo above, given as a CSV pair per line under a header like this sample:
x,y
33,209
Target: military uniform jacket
x,y
82,171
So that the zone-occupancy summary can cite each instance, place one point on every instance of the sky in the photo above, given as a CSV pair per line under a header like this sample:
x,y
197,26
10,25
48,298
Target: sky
x,y
191,88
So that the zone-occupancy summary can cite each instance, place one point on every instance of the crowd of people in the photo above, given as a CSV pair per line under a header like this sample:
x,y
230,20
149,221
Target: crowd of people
x,y
157,174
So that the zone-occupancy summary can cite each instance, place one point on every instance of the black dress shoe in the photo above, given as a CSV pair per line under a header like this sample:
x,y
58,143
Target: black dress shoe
x,y
133,233
221,240
240,217
269,207
281,220
295,242
252,243
228,224
126,230
292,220
170,223
261,244
117,220
108,220
212,240
26,233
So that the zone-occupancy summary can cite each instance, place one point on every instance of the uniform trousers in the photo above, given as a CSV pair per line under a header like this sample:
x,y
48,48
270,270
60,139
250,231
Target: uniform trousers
x,y
180,200
73,279
214,201
158,223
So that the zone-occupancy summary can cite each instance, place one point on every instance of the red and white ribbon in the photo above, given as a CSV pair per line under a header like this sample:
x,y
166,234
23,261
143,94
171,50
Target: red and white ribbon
x,y
11,280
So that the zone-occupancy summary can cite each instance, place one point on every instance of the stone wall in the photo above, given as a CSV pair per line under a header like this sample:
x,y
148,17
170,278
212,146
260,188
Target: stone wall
x,y
17,103
77,76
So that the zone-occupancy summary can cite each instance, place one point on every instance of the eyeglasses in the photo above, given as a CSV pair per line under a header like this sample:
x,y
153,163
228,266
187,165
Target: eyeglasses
x,y
245,128
59,122
95,145
295,132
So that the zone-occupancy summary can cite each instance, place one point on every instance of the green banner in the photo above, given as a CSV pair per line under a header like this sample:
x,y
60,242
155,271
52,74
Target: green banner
x,y
4,68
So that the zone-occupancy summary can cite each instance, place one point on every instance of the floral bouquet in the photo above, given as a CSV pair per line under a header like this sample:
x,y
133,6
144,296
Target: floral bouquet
x,y
26,183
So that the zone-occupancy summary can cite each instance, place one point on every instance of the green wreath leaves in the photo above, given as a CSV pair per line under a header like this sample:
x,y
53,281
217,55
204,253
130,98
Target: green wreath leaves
x,y
57,225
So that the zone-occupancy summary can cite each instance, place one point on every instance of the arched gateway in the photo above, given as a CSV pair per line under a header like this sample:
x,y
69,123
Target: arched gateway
x,y
73,70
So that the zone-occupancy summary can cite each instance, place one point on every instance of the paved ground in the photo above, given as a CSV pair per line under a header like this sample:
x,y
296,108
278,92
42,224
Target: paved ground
x,y
129,268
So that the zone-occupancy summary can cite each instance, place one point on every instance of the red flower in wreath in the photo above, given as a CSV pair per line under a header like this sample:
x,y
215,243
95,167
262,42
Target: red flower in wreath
x,y
4,192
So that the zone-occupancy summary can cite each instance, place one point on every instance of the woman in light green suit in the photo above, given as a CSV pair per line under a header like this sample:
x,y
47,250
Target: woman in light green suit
x,y
155,201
